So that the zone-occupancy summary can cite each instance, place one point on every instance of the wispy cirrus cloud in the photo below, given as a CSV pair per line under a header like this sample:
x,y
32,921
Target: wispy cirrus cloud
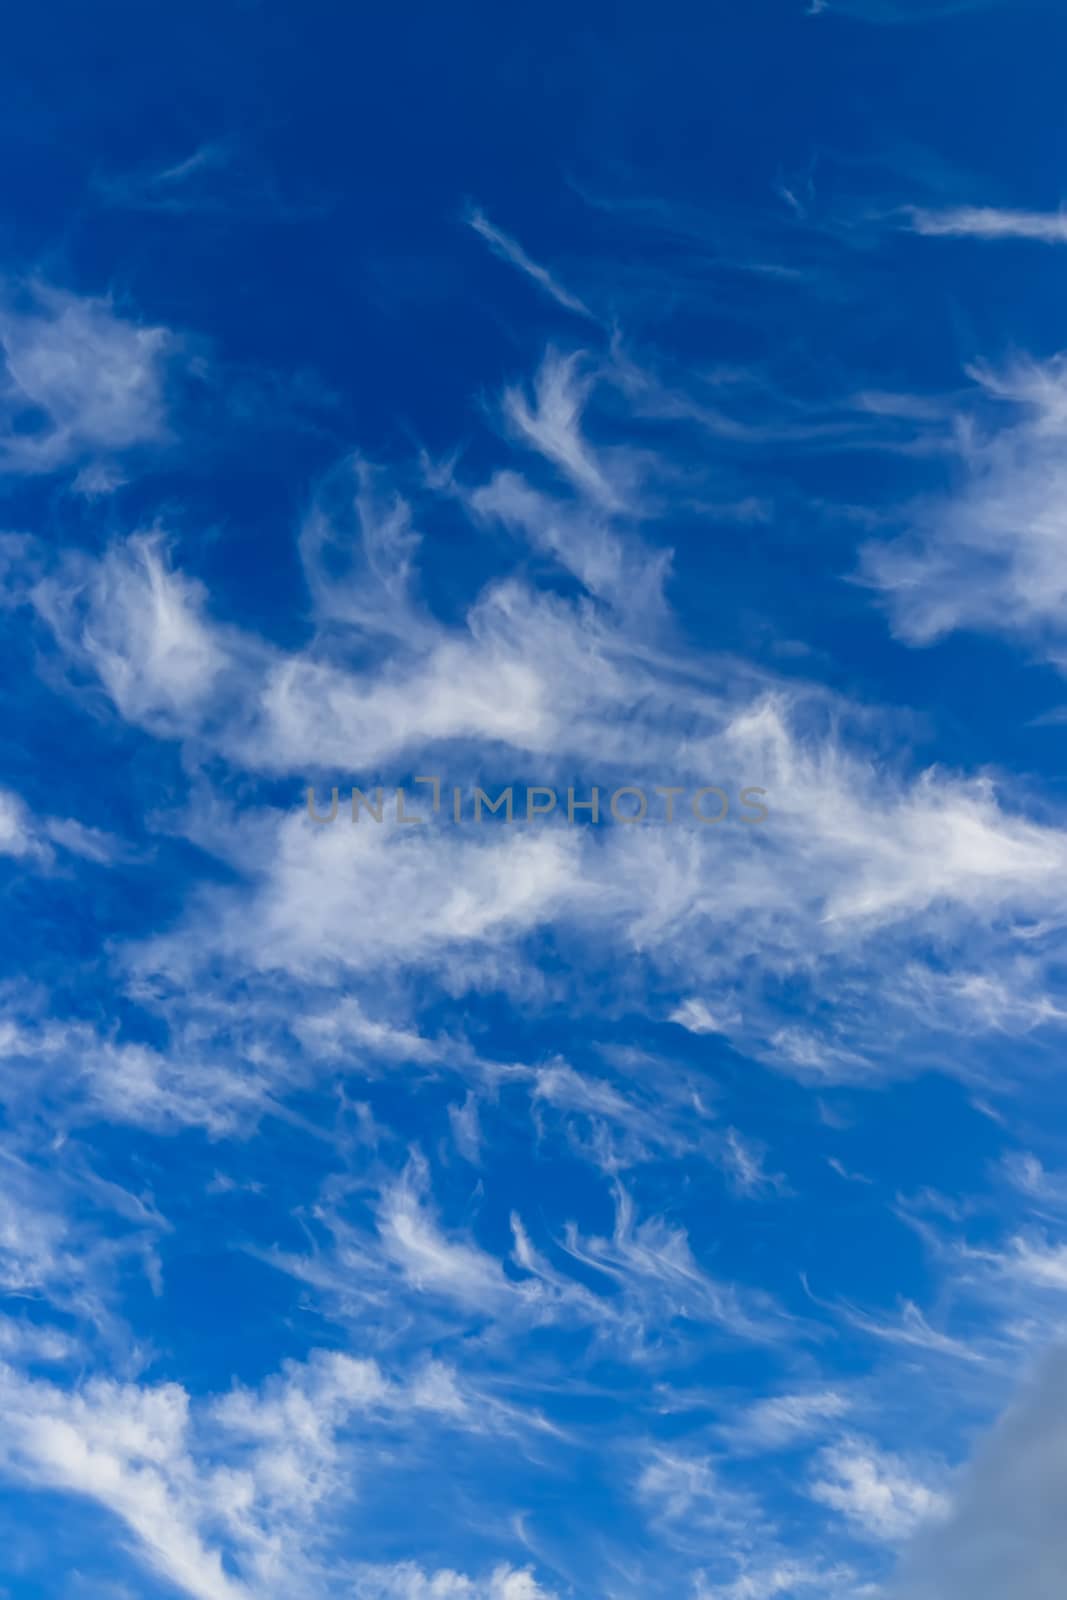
x,y
219,179
781,1422
989,222
856,849
989,555
34,839
509,250
294,1006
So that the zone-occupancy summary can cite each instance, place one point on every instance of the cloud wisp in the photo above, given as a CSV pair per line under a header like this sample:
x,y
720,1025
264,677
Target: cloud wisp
x,y
989,222
509,250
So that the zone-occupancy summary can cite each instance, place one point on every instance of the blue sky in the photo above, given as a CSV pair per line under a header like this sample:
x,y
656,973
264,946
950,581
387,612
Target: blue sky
x,y
563,1207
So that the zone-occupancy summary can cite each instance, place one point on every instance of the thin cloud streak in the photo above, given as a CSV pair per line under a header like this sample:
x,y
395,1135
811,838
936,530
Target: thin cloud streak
x,y
990,222
509,250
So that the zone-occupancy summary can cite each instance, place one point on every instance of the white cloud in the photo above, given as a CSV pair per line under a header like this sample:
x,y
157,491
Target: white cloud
x,y
126,1448
685,1488
431,1261
582,540
406,1581
782,1421
552,426
343,1029
82,1075
19,837
743,1161
695,1015
855,851
289,1433
223,1494
990,556
30,837
861,861
988,222
22,1341
357,546
653,1263
173,187
786,1578
852,855
877,1492
912,1329
646,1279
458,891
139,625
36,1247
466,1128
628,1127
217,179
850,852
1036,1262
95,378
508,249
67,1238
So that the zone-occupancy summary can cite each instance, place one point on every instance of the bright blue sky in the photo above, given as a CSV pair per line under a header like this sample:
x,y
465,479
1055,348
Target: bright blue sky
x,y
619,396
